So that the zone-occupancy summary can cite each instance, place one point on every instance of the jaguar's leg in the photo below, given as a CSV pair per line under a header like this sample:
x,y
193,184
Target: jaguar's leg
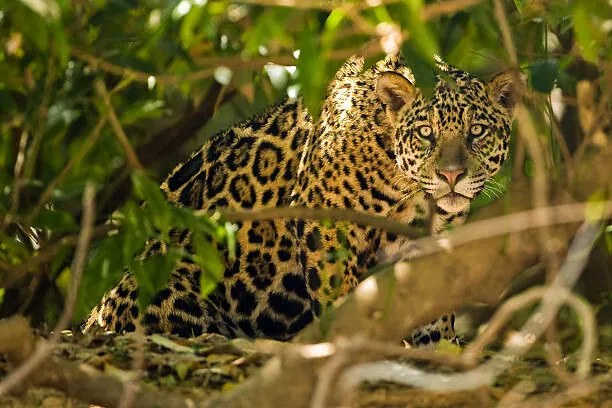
x,y
441,328
117,311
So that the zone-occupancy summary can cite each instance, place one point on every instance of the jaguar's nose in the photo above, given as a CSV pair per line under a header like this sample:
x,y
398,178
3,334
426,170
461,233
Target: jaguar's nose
x,y
451,175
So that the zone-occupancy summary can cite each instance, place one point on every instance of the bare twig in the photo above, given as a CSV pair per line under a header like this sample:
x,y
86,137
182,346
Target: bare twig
x,y
574,392
327,377
552,297
80,255
41,119
442,8
46,254
562,143
528,133
131,386
207,71
502,20
17,180
516,222
334,214
474,350
43,349
349,351
430,11
130,154
313,4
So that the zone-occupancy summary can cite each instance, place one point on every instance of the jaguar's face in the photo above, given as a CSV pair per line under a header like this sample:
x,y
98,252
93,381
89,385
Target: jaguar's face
x,y
453,142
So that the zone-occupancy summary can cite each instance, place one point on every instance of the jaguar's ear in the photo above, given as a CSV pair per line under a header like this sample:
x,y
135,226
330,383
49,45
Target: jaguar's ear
x,y
503,89
395,91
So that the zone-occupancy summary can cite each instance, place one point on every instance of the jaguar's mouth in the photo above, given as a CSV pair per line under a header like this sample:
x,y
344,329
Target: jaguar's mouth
x,y
453,202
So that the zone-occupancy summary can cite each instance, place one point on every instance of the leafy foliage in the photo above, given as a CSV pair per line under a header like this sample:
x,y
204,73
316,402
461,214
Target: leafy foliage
x,y
160,61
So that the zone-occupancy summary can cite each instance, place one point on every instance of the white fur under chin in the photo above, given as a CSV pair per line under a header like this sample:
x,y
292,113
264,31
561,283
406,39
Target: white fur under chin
x,y
453,203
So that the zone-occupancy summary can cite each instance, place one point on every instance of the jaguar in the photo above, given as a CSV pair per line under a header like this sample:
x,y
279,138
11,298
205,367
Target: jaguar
x,y
380,146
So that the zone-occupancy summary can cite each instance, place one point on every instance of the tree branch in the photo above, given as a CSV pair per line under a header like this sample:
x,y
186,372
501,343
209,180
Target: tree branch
x,y
130,154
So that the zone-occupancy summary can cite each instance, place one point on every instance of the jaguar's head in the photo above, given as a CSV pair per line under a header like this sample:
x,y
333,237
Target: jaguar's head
x,y
452,142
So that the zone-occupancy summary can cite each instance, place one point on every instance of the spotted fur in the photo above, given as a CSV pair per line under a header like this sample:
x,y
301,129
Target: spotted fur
x,y
379,146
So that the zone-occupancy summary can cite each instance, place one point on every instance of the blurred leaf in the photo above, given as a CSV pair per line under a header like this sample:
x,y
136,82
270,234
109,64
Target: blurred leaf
x,y
520,4
447,346
11,249
208,258
104,267
529,168
61,43
583,26
152,275
64,279
60,260
596,207
33,27
146,109
420,34
48,9
191,26
543,74
62,113
56,220
311,68
269,27
231,230
149,191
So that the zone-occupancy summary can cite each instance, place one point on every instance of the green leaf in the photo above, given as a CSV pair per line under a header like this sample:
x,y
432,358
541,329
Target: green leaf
x,y
190,26
596,206
520,5
311,68
146,109
104,268
61,43
269,27
543,74
208,258
157,207
56,221
153,273
231,229
421,35
47,9
583,27
11,249
608,238
33,27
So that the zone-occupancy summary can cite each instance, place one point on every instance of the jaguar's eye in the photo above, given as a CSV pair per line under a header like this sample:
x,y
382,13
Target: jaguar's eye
x,y
425,131
477,130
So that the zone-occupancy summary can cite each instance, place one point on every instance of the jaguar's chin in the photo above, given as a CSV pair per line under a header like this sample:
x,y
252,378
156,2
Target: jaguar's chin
x,y
453,202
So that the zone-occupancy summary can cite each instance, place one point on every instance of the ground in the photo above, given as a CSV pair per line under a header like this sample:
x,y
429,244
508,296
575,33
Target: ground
x,y
209,364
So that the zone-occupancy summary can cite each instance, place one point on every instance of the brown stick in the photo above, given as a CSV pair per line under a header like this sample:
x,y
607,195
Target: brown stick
x,y
130,154
40,354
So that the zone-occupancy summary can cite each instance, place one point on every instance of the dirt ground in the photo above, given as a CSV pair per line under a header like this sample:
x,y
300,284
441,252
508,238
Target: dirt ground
x,y
203,366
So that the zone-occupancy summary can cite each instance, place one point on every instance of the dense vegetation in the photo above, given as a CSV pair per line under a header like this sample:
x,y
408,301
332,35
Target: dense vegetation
x,y
113,93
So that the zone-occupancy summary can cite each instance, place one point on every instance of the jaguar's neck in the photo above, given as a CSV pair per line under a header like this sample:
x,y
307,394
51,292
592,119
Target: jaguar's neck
x,y
349,161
